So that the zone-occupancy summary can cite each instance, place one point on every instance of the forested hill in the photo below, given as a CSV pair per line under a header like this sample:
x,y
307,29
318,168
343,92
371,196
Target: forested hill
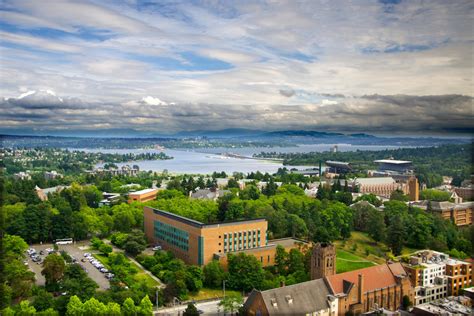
x,y
431,163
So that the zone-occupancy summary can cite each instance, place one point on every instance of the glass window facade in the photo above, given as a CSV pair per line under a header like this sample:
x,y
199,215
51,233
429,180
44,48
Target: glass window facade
x,y
172,235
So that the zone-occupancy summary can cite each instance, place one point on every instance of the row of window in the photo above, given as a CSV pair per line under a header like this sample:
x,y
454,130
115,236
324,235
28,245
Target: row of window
x,y
172,235
241,240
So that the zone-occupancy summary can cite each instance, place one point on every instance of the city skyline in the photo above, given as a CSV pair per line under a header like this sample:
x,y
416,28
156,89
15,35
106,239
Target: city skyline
x,y
376,67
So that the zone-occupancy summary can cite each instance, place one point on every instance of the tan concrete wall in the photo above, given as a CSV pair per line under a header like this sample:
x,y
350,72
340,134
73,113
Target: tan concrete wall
x,y
142,197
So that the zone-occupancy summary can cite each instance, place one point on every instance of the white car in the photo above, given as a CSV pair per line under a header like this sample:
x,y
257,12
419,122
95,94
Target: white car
x,y
156,248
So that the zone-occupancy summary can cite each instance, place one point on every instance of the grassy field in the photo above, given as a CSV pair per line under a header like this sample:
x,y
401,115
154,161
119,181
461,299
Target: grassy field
x,y
346,261
206,293
141,275
362,246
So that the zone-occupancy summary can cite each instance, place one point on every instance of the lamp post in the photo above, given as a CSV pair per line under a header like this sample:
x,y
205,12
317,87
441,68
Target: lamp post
x,y
223,287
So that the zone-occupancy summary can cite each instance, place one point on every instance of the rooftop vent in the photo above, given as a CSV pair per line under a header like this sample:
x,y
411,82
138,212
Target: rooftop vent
x,y
274,302
289,299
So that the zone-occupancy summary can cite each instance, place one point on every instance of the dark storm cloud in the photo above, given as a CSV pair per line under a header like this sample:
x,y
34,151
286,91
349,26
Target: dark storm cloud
x,y
287,92
369,113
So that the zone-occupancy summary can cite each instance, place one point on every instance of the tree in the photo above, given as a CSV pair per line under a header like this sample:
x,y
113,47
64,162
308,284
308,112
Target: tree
x,y
396,236
146,307
105,249
296,226
77,282
434,195
43,300
191,310
53,270
245,272
281,257
295,261
231,303
25,309
398,195
194,278
133,248
93,307
74,307
128,307
113,309
376,225
214,274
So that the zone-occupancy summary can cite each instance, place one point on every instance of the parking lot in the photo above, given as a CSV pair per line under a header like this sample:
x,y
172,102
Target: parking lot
x,y
76,251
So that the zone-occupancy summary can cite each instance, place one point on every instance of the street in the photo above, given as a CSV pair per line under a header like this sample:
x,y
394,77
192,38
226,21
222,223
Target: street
x,y
208,308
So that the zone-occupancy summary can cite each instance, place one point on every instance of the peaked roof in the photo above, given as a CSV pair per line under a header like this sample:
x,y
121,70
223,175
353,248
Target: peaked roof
x,y
376,277
301,298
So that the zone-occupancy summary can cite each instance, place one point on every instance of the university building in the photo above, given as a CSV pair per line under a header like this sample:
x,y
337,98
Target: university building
x,y
359,291
198,243
142,195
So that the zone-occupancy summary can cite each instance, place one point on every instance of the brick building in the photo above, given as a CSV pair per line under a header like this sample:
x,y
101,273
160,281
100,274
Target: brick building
x,y
306,298
460,213
385,186
142,195
360,291
199,243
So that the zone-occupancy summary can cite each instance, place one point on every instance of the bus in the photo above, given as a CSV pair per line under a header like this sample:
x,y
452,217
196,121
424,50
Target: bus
x,y
63,241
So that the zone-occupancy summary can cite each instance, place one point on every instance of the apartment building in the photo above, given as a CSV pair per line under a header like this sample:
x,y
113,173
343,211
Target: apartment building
x,y
436,276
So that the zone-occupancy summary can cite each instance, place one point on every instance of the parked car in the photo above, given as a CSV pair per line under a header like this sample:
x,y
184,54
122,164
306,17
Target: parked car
x,y
156,248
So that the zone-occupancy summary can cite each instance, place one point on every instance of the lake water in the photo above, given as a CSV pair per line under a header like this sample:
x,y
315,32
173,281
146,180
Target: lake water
x,y
207,160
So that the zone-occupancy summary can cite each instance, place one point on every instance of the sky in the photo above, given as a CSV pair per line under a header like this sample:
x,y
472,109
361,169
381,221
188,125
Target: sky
x,y
168,66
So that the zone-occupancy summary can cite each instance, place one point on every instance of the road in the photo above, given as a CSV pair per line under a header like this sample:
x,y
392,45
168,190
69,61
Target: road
x,y
208,308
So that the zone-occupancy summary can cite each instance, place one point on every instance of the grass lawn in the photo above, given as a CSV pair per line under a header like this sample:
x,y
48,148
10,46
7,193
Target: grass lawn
x,y
362,246
346,261
139,276
206,293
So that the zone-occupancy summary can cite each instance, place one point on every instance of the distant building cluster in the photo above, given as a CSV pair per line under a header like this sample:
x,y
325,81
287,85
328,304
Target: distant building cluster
x,y
122,171
52,175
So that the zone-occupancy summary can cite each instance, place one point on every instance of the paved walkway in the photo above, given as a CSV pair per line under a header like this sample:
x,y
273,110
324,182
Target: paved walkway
x,y
161,284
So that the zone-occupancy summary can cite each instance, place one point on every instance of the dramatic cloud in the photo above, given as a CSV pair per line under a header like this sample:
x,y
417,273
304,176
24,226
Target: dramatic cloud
x,y
170,66
377,113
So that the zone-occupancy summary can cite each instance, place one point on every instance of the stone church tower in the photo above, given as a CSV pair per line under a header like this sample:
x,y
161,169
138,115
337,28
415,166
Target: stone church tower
x,y
323,260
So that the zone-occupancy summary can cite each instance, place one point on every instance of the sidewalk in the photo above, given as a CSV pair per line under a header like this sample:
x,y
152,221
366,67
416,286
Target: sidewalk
x,y
115,249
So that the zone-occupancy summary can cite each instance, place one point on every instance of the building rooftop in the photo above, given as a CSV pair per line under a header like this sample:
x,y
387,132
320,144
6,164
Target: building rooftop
x,y
145,191
297,299
199,224
374,180
393,161
376,277
445,307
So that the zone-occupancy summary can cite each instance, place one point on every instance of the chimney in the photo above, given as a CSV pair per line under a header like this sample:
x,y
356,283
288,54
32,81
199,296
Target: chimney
x,y
282,283
361,287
